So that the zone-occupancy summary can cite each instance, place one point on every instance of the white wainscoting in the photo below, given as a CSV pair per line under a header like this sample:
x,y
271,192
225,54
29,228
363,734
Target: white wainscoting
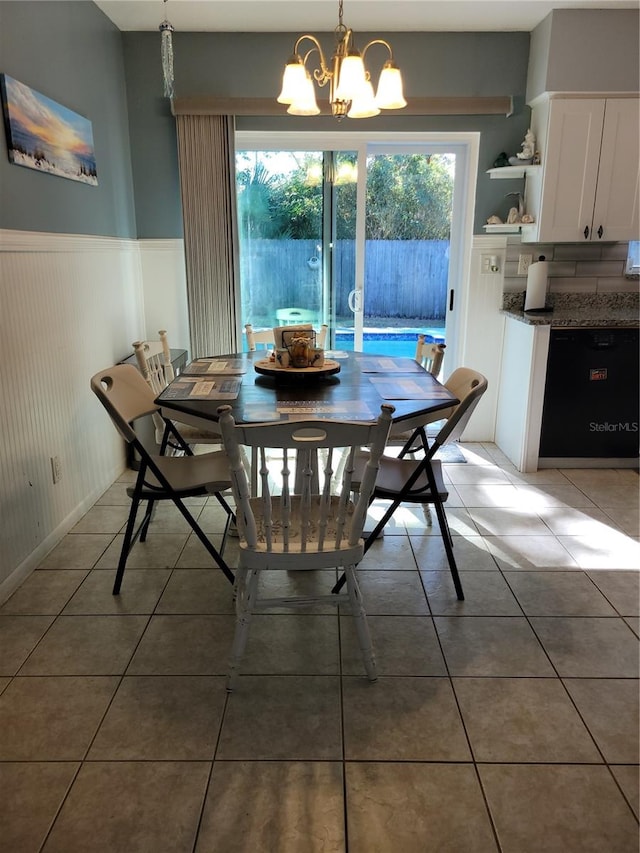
x,y
69,306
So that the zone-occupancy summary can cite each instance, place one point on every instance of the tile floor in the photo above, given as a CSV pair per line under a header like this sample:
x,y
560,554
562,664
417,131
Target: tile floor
x,y
507,722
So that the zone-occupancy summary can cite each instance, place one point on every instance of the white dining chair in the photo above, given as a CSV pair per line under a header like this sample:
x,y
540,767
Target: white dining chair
x,y
315,528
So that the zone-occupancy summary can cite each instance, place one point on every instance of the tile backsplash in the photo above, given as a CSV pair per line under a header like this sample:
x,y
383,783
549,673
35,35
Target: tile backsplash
x,y
573,267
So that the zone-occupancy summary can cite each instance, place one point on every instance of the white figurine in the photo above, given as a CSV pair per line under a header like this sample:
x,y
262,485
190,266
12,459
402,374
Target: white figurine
x,y
513,218
528,147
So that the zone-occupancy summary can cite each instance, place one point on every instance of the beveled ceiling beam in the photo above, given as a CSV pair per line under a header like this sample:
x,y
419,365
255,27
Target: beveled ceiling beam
x,y
446,106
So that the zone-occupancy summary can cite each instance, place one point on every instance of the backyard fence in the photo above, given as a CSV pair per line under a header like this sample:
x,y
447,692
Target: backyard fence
x,y
403,278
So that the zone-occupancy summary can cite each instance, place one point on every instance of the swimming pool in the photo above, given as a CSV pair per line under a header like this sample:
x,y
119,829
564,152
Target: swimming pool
x,y
399,342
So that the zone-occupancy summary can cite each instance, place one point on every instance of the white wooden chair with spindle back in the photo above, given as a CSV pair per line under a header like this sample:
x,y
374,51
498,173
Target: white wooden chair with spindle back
x,y
154,362
317,528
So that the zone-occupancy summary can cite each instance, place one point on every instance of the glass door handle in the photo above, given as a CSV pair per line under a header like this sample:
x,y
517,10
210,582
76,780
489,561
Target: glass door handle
x,y
355,301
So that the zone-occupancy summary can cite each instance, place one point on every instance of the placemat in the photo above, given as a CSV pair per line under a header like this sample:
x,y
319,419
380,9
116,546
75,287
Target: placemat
x,y
211,388
214,366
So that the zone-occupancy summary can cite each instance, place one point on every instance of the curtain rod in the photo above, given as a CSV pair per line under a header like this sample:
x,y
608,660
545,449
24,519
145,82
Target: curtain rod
x,y
447,106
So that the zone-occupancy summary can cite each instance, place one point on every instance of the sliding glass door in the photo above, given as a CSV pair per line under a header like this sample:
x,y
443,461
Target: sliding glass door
x,y
366,237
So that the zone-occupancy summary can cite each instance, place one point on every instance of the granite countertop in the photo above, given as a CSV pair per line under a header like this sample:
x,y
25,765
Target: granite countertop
x,y
608,310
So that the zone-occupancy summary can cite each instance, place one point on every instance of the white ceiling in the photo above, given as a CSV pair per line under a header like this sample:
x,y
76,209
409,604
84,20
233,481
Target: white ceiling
x,y
322,15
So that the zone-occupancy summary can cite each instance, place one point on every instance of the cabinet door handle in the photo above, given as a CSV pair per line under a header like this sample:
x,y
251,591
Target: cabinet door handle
x,y
586,232
600,232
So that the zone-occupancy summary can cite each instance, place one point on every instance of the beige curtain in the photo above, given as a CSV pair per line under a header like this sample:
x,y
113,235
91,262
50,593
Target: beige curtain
x,y
206,155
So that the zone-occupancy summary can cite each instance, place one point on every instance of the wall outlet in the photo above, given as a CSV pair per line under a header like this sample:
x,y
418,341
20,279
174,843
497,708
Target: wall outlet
x,y
524,262
56,469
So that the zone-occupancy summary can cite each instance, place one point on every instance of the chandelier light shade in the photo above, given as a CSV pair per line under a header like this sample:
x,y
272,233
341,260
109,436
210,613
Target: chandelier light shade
x,y
350,88
166,54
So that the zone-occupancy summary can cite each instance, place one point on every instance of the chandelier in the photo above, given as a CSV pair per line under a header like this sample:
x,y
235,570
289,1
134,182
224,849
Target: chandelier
x,y
350,88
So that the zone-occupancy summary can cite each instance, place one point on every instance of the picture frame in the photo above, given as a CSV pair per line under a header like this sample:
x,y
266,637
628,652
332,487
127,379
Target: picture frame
x,y
46,136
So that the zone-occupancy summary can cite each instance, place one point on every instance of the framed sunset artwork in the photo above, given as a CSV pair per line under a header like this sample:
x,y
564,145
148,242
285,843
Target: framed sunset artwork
x,y
45,136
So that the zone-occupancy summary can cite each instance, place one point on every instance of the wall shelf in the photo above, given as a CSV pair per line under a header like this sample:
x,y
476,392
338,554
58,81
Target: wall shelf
x,y
512,172
503,229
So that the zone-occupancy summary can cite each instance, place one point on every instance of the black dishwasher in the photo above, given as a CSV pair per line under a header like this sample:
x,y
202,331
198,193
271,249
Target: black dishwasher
x,y
591,394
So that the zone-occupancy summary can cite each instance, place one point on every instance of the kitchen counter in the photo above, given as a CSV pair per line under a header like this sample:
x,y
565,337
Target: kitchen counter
x,y
607,310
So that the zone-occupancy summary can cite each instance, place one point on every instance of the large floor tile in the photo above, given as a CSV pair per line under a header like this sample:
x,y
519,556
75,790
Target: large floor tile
x,y
294,718
402,719
184,645
416,808
485,646
627,518
102,519
134,806
115,495
294,806
475,475
160,551
514,521
292,644
609,707
558,594
52,719
615,551
470,552
389,553
393,593
530,553
621,588
589,647
542,808
538,496
162,718
298,584
139,593
403,645
86,645
485,594
628,777
44,592
570,521
522,720
77,551
197,591
459,519
486,495
31,795
19,635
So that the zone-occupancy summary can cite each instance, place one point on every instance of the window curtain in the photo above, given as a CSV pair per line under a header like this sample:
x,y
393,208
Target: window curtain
x,y
206,155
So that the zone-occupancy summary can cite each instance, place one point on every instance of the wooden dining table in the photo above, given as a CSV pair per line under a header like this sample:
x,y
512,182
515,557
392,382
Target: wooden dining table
x,y
258,392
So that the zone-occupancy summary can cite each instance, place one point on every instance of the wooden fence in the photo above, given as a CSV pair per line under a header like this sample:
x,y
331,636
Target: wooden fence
x,y
403,278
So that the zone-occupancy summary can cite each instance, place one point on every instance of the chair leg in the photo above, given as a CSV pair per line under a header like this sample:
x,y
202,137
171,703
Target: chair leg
x,y
146,521
127,545
362,626
246,592
448,547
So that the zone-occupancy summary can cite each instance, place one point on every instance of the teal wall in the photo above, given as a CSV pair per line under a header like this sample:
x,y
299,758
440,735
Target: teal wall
x,y
250,65
72,53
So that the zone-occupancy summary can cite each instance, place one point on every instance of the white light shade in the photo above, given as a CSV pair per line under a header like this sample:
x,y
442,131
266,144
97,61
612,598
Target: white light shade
x,y
293,81
305,103
389,95
351,78
364,105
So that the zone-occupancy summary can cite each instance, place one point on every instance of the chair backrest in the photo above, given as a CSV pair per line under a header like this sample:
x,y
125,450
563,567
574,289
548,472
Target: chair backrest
x,y
154,362
126,396
263,336
429,355
468,386
319,518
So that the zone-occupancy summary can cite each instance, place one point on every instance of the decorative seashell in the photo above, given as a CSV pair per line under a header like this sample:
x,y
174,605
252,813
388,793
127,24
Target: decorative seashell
x,y
527,218
494,220
513,218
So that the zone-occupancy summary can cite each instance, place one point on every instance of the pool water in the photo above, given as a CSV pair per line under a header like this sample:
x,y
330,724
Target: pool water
x,y
398,342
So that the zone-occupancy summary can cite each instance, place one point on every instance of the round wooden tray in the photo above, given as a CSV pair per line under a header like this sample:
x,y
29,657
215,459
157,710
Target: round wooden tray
x,y
269,368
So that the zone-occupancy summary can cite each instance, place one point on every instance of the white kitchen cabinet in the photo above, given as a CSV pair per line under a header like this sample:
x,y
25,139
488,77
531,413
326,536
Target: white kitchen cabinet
x,y
588,188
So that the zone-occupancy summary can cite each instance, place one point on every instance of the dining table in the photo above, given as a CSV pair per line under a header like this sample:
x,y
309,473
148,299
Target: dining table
x,y
349,386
